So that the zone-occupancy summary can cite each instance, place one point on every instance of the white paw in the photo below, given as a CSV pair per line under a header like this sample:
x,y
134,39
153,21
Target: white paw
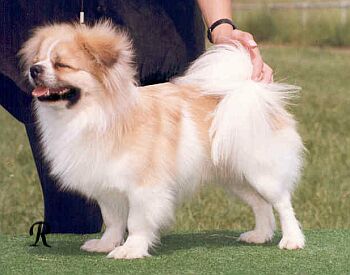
x,y
98,245
255,236
292,242
127,252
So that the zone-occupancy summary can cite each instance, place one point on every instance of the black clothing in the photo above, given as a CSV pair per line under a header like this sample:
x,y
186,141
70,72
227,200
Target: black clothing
x,y
167,35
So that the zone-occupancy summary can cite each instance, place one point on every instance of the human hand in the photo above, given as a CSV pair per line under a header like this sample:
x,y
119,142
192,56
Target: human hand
x,y
224,34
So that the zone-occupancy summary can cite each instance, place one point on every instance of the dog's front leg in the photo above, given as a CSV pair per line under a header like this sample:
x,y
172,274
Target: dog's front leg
x,y
114,209
151,207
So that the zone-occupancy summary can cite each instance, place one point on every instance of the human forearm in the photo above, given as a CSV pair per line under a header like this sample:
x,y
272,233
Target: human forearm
x,y
225,34
215,10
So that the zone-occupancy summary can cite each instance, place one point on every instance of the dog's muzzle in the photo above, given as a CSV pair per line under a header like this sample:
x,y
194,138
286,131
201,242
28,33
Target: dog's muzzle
x,y
35,71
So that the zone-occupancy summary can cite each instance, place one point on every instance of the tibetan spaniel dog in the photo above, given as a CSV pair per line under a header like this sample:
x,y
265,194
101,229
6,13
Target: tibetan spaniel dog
x,y
137,151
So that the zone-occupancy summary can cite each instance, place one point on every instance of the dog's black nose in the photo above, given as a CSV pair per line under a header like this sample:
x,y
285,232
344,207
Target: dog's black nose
x,y
35,70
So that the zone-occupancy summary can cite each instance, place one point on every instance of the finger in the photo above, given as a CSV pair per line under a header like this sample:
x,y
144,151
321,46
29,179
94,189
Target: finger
x,y
267,74
246,39
257,63
260,77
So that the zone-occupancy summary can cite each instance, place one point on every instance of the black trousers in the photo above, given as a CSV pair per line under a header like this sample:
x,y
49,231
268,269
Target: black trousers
x,y
167,35
65,212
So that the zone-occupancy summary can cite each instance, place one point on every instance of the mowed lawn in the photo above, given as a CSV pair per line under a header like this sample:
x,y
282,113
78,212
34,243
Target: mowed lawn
x,y
213,252
321,199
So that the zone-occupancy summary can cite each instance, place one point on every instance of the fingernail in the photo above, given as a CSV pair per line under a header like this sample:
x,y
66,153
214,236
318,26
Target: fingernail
x,y
252,43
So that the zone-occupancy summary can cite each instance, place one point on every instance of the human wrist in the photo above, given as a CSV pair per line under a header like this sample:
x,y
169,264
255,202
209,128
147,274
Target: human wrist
x,y
219,28
221,32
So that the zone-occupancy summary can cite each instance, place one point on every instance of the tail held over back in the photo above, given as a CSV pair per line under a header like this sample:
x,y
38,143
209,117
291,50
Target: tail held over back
x,y
250,115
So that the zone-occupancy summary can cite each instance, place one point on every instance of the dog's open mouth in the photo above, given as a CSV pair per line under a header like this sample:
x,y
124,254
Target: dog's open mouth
x,y
55,94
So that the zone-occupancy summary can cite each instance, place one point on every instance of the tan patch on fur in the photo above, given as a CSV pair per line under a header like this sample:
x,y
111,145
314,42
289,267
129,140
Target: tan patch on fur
x,y
277,122
99,49
72,55
156,127
202,108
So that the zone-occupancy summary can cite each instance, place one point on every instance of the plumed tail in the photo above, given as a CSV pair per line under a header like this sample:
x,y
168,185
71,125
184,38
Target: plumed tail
x,y
250,117
246,121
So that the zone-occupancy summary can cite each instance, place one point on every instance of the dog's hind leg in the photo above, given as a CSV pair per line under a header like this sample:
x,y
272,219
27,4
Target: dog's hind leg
x,y
114,209
280,198
264,218
273,174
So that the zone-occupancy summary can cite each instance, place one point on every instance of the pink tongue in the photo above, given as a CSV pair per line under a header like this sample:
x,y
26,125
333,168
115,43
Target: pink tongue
x,y
39,91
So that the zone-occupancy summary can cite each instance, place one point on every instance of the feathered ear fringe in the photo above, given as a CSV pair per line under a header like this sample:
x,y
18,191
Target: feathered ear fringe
x,y
109,49
104,44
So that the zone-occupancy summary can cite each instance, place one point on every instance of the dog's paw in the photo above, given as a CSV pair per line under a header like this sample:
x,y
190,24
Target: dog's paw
x,y
127,252
292,242
98,245
255,236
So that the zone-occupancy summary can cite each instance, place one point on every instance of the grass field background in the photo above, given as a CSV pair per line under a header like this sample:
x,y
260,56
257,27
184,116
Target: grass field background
x,y
315,27
322,198
322,28
183,253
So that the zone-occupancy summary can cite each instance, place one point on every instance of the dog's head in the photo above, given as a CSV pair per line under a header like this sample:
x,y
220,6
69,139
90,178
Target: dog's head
x,y
71,63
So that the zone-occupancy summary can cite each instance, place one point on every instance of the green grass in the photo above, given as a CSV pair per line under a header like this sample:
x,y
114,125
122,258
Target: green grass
x,y
311,27
321,200
215,252
20,195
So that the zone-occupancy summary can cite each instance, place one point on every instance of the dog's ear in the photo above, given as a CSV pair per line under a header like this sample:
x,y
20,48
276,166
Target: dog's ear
x,y
103,44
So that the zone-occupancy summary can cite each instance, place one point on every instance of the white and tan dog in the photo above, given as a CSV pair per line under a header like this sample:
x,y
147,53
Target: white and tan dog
x,y
138,150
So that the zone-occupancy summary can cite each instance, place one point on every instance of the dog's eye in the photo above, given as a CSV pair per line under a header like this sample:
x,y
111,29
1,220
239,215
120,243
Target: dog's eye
x,y
61,65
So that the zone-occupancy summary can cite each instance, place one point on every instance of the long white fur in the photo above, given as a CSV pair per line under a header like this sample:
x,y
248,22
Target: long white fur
x,y
246,140
241,131
263,161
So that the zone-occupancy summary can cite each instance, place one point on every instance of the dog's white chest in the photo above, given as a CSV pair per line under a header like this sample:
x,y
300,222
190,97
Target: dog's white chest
x,y
83,164
90,171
